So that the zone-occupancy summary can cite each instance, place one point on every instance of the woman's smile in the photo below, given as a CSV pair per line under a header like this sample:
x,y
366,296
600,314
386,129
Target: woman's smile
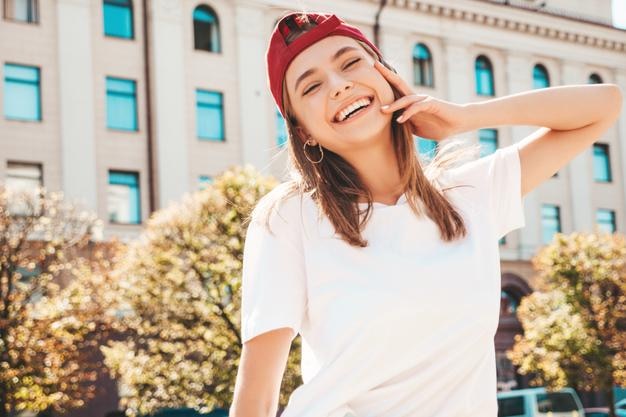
x,y
356,114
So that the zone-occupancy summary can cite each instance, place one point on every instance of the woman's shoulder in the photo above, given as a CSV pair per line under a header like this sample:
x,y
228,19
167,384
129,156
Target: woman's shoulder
x,y
282,204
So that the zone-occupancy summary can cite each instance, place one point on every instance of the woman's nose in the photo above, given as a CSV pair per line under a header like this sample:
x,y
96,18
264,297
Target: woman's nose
x,y
339,85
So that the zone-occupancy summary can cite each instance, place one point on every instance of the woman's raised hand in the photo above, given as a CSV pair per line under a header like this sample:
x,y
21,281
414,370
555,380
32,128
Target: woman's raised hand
x,y
429,118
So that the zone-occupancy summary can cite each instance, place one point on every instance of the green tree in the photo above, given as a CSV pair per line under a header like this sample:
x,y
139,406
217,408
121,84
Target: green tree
x,y
182,287
575,326
51,312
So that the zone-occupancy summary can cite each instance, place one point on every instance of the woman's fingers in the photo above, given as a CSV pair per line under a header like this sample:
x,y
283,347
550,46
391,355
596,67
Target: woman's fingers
x,y
409,112
394,78
403,102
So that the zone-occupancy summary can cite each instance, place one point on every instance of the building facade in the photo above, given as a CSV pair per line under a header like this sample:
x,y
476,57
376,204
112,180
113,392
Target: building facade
x,y
128,105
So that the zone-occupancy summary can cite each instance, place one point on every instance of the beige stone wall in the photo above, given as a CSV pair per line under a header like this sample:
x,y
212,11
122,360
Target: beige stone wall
x,y
514,40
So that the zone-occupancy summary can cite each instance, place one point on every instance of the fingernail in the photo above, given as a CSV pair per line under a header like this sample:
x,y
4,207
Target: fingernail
x,y
399,119
385,107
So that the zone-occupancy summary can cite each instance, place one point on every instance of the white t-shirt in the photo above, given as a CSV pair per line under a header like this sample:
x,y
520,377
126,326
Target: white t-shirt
x,y
403,327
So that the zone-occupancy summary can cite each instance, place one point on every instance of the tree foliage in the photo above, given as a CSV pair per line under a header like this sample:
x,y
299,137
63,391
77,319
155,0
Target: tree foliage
x,y
575,328
53,306
181,282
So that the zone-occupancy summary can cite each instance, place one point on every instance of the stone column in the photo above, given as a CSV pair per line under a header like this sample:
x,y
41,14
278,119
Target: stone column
x,y
256,105
581,167
76,101
169,96
519,78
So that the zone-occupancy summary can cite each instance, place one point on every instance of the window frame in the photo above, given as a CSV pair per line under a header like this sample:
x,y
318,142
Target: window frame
x,y
131,10
122,94
221,107
425,66
606,154
213,27
33,13
557,217
137,176
480,69
612,220
38,85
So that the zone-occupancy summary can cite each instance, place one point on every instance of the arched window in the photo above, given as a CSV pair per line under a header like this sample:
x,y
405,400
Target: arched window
x,y
206,29
281,129
595,79
422,66
118,18
484,76
540,77
508,303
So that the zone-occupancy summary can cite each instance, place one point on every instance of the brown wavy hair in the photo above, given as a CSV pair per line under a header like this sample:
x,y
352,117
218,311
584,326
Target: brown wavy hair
x,y
335,185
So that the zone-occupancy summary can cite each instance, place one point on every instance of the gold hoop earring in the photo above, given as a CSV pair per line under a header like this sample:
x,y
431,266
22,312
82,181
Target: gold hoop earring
x,y
307,156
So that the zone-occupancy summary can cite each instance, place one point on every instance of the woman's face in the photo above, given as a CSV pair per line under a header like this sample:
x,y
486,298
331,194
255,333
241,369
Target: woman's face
x,y
324,80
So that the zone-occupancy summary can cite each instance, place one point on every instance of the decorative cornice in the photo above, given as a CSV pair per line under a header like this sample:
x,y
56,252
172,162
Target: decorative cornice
x,y
510,23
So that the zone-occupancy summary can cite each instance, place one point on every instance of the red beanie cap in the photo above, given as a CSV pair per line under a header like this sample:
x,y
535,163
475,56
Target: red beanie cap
x,y
279,55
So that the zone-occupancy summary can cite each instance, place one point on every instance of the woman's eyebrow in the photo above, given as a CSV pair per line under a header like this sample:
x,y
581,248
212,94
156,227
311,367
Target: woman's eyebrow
x,y
336,56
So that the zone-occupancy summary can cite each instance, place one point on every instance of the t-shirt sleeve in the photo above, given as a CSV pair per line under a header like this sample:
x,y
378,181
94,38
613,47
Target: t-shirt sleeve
x,y
498,178
273,275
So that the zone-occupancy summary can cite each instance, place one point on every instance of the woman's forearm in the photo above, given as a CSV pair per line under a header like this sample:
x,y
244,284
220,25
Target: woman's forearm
x,y
558,108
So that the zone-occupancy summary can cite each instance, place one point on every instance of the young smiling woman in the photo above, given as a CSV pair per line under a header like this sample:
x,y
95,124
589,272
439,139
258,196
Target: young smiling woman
x,y
397,309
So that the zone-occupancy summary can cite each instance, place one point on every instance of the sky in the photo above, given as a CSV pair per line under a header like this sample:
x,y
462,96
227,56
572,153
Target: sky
x,y
619,13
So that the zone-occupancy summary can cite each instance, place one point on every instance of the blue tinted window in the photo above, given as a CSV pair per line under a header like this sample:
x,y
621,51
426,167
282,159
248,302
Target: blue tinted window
x,y
22,10
550,222
484,77
488,139
422,66
206,29
426,147
204,181
594,79
123,197
209,115
606,220
118,18
22,94
601,162
513,406
121,104
540,77
281,129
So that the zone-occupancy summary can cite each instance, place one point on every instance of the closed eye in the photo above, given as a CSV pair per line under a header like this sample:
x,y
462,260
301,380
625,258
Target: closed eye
x,y
351,63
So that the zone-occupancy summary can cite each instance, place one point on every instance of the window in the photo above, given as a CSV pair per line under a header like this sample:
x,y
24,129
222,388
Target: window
x,y
540,77
513,406
484,77
550,222
508,303
594,79
118,18
210,115
422,66
22,92
426,147
26,178
206,29
22,10
488,139
281,129
121,104
502,241
605,219
601,163
556,402
123,197
204,181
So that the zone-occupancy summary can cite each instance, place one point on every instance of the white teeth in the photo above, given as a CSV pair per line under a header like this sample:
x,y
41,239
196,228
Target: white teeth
x,y
359,103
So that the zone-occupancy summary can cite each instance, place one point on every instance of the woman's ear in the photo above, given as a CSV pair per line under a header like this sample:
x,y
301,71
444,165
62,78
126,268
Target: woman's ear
x,y
302,134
